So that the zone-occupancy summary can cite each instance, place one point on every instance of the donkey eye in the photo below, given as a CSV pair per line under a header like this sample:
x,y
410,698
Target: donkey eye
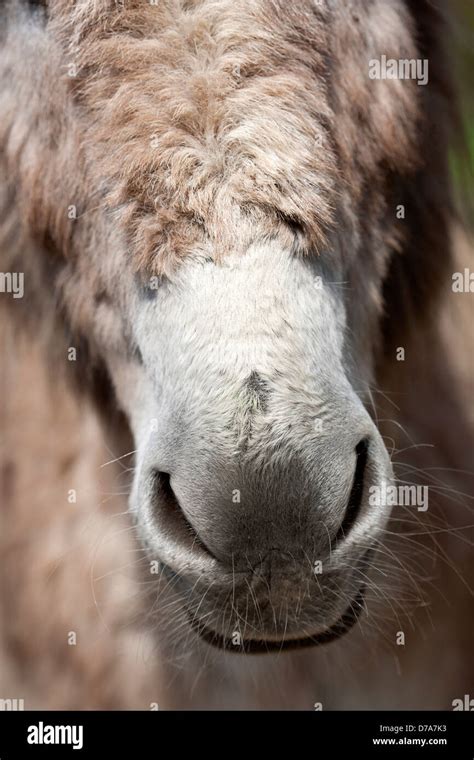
x,y
37,4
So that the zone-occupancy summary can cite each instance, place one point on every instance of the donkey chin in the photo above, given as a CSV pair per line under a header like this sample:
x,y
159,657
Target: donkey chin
x,y
255,455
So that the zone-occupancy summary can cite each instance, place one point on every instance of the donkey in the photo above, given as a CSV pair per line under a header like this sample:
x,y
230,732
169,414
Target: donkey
x,y
228,229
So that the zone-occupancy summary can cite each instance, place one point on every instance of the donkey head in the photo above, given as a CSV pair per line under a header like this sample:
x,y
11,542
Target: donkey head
x,y
208,196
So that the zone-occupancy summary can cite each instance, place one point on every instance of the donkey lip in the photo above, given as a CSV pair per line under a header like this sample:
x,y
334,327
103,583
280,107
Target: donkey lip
x,y
266,646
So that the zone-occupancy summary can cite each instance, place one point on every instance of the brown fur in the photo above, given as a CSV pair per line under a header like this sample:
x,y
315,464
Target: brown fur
x,y
233,153
195,126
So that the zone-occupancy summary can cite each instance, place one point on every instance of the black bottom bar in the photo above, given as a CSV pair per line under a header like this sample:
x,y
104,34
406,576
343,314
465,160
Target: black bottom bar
x,y
149,734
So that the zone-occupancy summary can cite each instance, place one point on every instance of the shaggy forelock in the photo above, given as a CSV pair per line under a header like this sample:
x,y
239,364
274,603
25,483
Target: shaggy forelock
x,y
211,124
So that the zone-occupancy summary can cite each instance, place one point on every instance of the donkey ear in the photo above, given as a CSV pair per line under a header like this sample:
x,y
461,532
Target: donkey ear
x,y
423,264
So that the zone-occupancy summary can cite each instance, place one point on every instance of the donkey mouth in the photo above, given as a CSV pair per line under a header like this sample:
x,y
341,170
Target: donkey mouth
x,y
267,646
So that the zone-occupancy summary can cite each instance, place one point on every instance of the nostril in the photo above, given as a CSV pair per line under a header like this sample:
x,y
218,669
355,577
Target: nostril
x,y
163,486
355,498
172,512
